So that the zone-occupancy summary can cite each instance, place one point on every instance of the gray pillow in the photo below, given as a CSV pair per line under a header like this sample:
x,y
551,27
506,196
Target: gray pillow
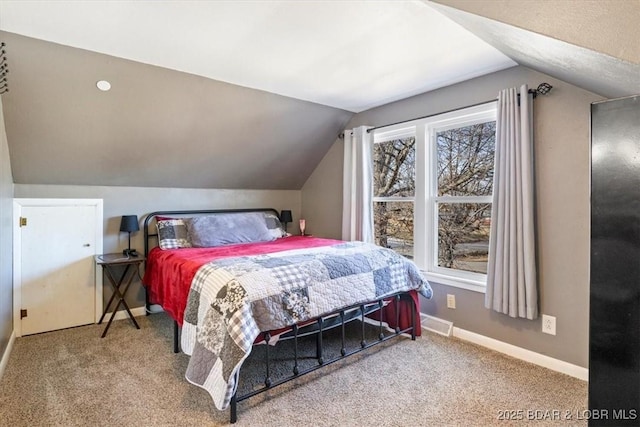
x,y
225,229
276,230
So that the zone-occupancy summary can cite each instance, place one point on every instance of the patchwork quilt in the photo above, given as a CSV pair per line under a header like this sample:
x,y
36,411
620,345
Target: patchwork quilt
x,y
232,299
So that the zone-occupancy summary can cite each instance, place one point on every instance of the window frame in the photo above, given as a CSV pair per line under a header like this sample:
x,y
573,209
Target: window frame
x,y
426,198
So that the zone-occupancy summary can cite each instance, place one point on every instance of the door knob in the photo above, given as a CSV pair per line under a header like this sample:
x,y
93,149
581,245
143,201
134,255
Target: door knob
x,y
86,245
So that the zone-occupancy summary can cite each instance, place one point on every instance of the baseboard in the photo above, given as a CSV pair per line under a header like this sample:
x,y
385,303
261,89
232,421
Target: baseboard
x,y
523,354
122,314
7,353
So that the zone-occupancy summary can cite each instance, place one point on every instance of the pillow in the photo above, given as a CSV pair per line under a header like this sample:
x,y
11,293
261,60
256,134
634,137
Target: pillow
x,y
276,230
225,229
172,233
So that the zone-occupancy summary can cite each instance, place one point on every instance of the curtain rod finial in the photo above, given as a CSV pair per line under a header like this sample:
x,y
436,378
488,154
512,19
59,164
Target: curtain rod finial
x,y
542,89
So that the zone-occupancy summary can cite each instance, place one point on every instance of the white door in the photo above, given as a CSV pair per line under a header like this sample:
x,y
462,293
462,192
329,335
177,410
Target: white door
x,y
57,268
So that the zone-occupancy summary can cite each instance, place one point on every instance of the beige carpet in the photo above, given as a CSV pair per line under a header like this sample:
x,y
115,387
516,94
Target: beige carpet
x,y
74,378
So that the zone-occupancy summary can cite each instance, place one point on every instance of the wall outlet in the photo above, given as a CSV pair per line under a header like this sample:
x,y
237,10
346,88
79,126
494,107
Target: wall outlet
x,y
548,324
451,301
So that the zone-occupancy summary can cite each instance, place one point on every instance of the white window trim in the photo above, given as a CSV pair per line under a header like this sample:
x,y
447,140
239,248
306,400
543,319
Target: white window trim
x,y
425,200
394,199
458,282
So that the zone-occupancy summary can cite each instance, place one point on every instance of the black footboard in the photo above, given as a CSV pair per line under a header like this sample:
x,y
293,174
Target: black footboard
x,y
334,320
315,328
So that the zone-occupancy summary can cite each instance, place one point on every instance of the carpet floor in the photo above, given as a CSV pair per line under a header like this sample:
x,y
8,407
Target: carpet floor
x,y
131,377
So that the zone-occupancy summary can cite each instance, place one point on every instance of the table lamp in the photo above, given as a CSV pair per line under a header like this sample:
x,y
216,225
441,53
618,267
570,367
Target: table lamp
x,y
129,223
286,217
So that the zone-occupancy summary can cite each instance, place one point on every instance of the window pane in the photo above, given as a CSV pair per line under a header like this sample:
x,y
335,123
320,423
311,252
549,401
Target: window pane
x,y
465,160
463,236
394,168
393,223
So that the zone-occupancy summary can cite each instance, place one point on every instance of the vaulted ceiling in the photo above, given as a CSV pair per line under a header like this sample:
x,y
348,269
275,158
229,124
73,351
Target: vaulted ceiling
x,y
347,55
597,46
241,94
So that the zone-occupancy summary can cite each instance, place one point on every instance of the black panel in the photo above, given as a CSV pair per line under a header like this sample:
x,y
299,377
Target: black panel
x,y
614,337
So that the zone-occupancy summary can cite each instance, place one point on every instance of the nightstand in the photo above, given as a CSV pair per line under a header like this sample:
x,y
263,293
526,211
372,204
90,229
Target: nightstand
x,y
110,263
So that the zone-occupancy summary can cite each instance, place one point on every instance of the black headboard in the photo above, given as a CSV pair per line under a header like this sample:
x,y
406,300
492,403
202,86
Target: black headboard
x,y
153,234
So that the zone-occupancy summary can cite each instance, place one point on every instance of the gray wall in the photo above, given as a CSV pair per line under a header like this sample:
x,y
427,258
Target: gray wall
x,y
140,201
562,176
6,240
322,195
155,128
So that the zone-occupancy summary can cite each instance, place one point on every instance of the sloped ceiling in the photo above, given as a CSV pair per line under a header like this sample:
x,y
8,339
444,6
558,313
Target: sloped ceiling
x,y
597,72
611,27
351,55
155,127
217,94
177,124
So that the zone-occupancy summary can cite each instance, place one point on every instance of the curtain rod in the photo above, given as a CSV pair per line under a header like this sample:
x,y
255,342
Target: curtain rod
x,y
431,115
542,89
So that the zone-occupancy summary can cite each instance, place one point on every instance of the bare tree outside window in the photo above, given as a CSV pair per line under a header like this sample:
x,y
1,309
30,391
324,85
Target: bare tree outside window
x,y
442,221
463,236
465,170
394,170
464,158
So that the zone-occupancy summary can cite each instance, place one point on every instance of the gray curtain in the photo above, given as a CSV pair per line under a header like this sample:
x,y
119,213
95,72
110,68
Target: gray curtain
x,y
357,191
511,273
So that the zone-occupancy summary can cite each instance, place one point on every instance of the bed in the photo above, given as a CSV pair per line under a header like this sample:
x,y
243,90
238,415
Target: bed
x,y
233,279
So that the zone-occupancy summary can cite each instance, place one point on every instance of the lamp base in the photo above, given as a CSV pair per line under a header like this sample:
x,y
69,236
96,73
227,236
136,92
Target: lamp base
x,y
130,252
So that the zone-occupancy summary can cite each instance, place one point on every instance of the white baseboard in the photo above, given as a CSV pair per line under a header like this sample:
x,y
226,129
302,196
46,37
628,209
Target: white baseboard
x,y
523,354
122,314
7,353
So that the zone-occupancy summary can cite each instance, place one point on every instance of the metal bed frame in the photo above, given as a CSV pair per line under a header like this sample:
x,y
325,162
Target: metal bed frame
x,y
314,327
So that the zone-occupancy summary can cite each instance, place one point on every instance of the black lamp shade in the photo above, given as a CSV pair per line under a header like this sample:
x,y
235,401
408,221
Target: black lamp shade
x,y
129,223
285,216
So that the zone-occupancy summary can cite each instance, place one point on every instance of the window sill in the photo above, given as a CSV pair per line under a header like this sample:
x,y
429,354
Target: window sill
x,y
471,285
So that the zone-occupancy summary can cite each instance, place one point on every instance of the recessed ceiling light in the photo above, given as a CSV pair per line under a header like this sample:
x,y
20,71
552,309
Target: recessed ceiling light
x,y
103,85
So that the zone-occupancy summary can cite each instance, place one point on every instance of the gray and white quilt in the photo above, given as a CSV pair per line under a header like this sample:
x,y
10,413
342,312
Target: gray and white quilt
x,y
232,299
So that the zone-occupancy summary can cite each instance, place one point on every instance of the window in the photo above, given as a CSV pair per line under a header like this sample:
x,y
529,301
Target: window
x,y
394,184
433,183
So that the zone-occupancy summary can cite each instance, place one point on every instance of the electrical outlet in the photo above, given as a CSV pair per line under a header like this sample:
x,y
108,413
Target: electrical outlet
x,y
451,301
548,324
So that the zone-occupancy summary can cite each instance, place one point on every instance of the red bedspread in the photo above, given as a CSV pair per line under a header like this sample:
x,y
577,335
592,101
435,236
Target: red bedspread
x,y
168,273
